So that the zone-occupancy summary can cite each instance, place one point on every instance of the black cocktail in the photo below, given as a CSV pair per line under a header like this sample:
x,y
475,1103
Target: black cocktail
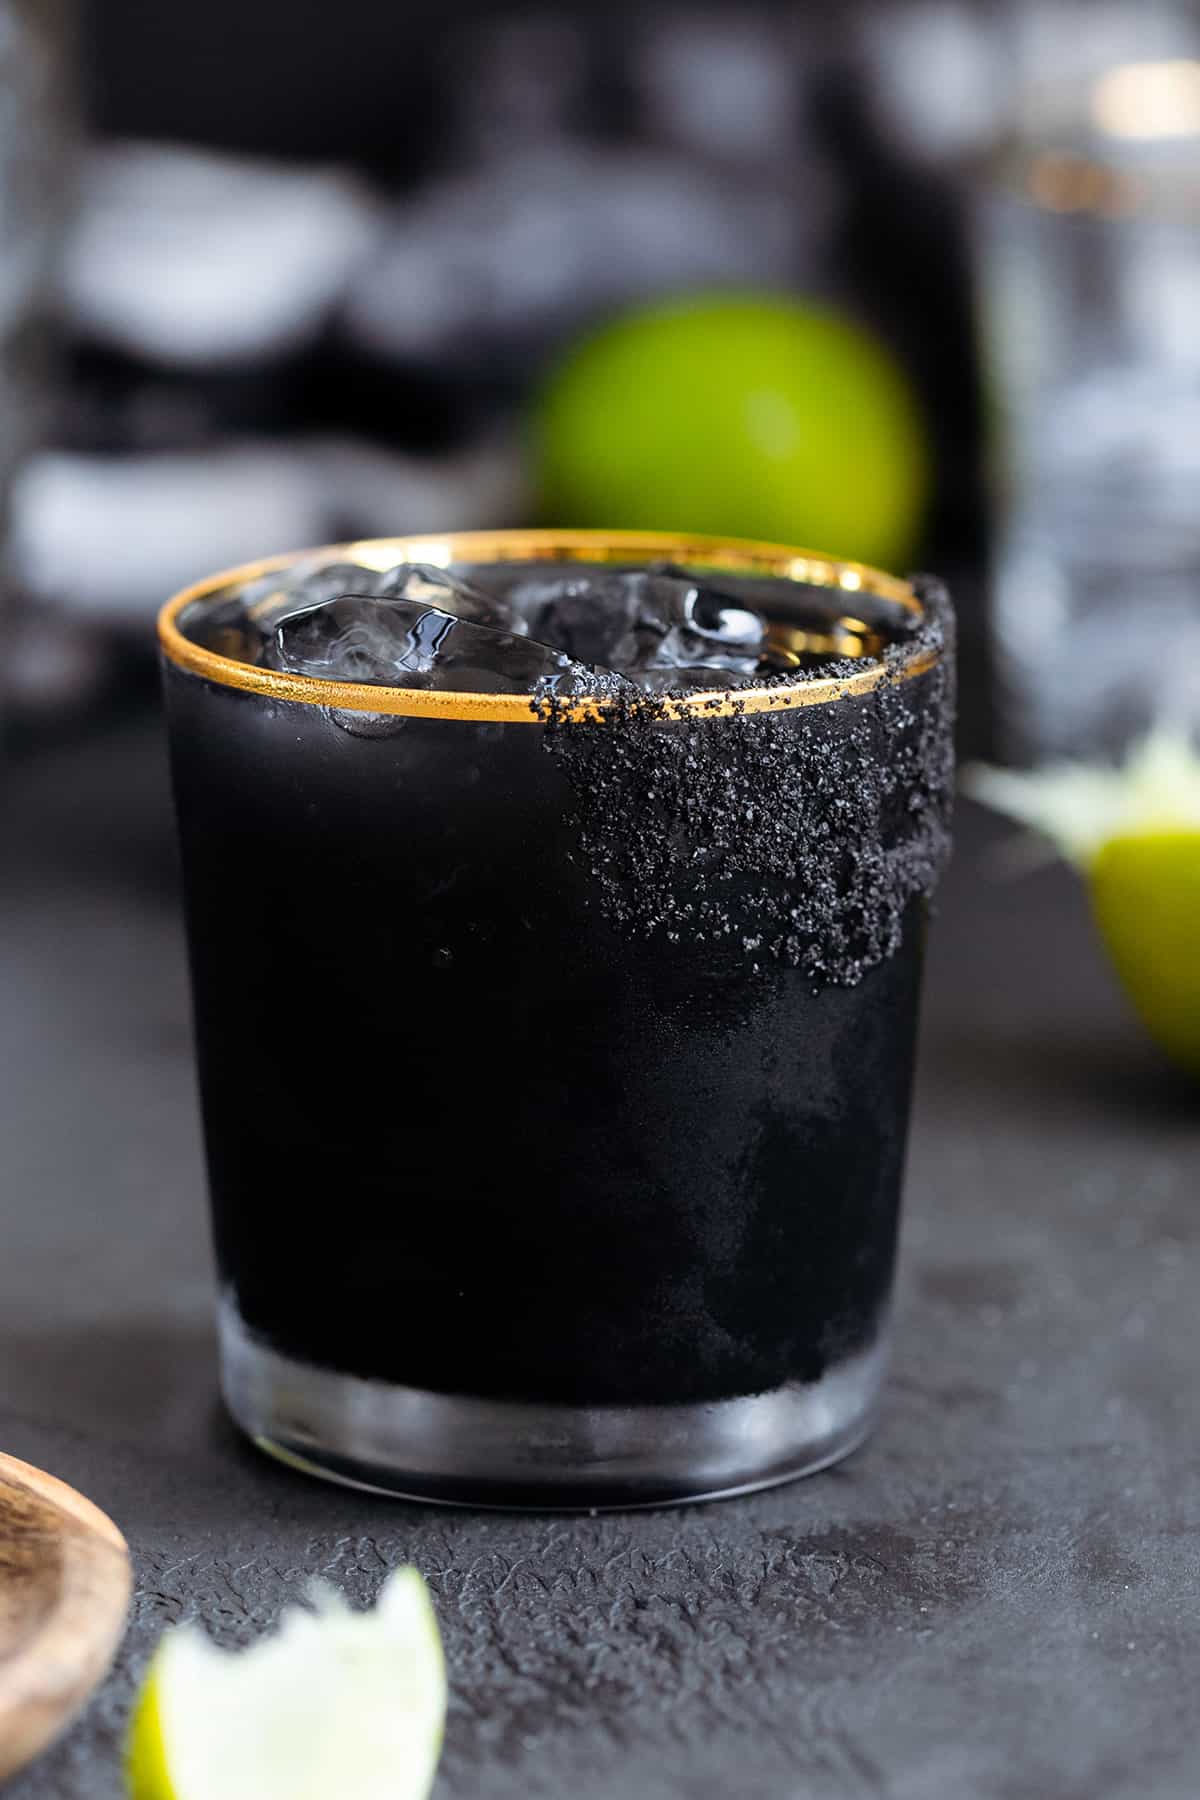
x,y
556,908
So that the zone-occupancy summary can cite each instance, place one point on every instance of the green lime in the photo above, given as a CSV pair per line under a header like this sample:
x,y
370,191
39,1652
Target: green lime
x,y
752,416
1145,893
1133,832
336,1703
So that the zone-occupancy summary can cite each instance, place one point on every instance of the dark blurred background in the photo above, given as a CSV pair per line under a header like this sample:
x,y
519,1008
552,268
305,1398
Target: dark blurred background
x,y
316,259
295,272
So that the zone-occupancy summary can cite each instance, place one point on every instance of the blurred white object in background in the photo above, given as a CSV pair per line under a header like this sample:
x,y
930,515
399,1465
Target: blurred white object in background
x,y
369,490
193,264
1059,48
190,257
109,538
515,253
724,84
1090,294
940,75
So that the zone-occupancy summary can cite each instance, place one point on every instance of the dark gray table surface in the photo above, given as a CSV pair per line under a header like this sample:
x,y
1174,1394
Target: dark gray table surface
x,y
996,1599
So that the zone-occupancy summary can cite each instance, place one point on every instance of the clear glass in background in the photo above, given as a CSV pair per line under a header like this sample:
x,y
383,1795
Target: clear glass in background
x,y
1089,280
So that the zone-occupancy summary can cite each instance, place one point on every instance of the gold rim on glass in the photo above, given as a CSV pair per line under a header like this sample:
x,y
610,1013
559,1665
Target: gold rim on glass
x,y
733,555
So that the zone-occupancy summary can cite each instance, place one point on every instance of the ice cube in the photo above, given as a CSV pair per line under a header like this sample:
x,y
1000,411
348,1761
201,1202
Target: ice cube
x,y
446,589
400,643
586,614
267,601
655,618
312,580
262,603
714,631
639,620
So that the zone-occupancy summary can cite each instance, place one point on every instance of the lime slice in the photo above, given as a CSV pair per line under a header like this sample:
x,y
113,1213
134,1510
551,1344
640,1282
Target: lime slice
x,y
1134,834
754,415
1146,901
337,1705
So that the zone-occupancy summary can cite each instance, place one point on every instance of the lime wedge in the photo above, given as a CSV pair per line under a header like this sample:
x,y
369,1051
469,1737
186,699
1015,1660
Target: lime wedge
x,y
1146,901
1134,834
336,1705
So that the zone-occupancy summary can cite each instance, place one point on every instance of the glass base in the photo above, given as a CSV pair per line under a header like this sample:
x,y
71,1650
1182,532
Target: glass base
x,y
463,1451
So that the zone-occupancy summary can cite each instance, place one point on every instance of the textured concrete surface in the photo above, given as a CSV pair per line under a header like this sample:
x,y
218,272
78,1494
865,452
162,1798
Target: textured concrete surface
x,y
997,1599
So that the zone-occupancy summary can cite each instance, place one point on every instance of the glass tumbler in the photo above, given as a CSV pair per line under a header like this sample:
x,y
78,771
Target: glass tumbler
x,y
1088,233
555,1059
